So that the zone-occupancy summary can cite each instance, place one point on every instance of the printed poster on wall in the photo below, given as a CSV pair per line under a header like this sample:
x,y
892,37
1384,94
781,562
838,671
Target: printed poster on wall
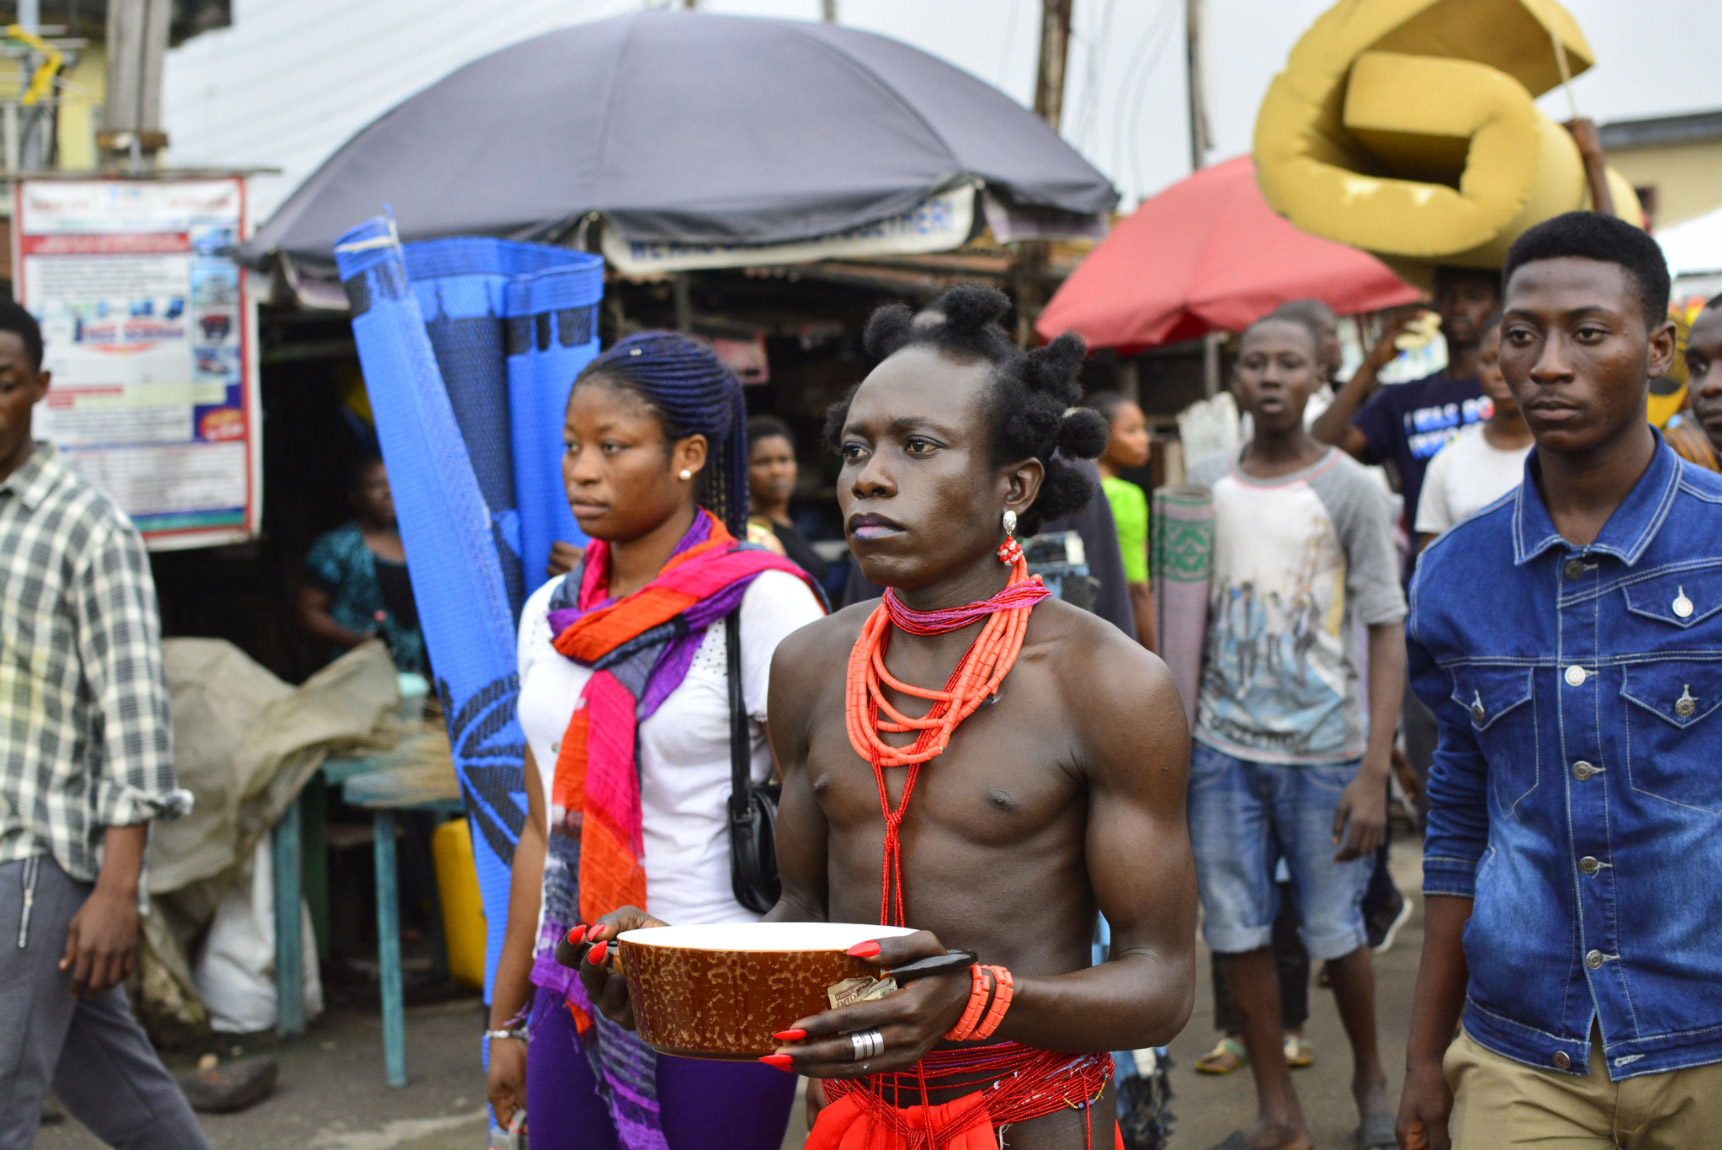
x,y
151,339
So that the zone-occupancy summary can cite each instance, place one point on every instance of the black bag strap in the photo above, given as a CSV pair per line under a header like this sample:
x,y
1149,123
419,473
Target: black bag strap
x,y
740,739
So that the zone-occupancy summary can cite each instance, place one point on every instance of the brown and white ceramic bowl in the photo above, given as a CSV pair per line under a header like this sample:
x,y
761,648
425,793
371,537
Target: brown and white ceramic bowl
x,y
721,991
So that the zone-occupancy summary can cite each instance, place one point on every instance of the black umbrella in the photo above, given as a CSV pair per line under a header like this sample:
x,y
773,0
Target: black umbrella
x,y
688,128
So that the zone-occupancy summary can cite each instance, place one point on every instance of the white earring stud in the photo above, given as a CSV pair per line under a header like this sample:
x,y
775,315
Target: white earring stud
x,y
685,475
1010,522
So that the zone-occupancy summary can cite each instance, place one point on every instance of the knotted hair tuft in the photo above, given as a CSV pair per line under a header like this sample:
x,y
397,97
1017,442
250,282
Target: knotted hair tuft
x,y
1030,410
691,392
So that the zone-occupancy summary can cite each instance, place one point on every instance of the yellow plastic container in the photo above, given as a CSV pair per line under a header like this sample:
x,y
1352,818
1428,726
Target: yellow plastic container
x,y
463,925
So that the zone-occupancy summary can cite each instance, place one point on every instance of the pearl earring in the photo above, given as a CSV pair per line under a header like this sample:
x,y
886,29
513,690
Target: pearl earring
x,y
685,475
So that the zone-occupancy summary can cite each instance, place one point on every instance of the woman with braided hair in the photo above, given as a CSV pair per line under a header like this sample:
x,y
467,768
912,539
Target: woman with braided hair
x,y
625,704
1044,784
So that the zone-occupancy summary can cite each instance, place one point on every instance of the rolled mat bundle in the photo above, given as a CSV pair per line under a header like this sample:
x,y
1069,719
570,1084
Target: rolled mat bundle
x,y
1181,556
1407,128
469,349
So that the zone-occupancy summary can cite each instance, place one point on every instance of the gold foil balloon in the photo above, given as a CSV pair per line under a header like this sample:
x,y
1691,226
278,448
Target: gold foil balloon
x,y
1407,128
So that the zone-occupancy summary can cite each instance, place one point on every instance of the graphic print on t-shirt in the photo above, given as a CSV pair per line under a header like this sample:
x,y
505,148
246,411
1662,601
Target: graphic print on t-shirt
x,y
1429,429
1275,673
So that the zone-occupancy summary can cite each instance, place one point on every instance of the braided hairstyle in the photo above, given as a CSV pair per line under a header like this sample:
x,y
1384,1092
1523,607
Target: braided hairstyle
x,y
1030,408
691,392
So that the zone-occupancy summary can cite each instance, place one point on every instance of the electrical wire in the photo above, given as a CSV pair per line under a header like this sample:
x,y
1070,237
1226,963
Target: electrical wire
x,y
1142,60
1009,43
1093,62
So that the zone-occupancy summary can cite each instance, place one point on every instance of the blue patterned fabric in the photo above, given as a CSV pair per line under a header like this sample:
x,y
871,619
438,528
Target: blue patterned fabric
x,y
469,348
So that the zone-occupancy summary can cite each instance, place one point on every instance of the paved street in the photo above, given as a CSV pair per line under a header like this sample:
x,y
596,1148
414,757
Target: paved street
x,y
331,1094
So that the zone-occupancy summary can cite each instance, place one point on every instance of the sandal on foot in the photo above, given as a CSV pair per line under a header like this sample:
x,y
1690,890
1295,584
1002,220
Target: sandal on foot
x,y
1299,1053
1228,1055
1378,1132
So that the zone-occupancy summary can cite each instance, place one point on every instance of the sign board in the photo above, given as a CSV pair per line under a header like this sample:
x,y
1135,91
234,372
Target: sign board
x,y
152,341
939,223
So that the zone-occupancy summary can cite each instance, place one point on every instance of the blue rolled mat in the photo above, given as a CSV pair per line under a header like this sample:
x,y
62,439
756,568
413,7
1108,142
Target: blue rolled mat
x,y
552,334
464,428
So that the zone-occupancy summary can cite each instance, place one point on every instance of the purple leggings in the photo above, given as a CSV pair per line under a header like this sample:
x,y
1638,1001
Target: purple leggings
x,y
748,1102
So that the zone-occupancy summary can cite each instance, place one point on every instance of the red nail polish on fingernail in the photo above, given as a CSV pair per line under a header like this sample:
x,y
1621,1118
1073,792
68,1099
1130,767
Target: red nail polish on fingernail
x,y
595,932
596,955
577,936
795,1034
781,1062
864,949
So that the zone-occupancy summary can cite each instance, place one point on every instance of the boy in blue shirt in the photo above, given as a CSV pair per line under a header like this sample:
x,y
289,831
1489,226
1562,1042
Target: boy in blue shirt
x,y
1569,639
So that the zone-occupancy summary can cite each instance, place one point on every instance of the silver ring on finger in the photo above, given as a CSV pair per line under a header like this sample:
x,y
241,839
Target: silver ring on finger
x,y
867,1043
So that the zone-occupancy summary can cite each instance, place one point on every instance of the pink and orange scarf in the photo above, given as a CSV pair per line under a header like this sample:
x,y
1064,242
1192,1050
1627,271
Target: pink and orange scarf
x,y
640,648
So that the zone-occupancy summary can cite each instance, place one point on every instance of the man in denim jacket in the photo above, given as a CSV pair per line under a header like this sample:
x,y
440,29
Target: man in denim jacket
x,y
1569,639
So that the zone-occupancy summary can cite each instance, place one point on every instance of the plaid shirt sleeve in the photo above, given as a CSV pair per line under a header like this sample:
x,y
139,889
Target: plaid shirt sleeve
x,y
119,645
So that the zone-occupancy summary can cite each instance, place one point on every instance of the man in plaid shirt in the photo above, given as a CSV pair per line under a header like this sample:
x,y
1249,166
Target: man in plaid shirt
x,y
85,764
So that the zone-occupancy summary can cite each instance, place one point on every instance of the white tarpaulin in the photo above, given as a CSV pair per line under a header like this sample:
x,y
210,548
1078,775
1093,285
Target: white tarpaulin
x,y
1694,248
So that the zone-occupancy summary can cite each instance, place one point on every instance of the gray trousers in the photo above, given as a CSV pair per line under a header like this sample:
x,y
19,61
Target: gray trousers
x,y
93,1054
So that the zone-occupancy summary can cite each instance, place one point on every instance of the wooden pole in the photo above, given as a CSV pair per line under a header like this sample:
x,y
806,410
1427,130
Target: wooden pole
x,y
1033,256
828,11
1054,52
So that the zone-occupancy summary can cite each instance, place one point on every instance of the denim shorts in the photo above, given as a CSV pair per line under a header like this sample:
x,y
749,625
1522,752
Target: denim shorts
x,y
1244,817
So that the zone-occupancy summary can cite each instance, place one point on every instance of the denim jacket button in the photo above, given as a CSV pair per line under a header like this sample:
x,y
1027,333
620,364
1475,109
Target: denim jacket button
x,y
1589,865
1573,569
1682,606
1561,1061
1686,704
1576,676
1593,960
1583,770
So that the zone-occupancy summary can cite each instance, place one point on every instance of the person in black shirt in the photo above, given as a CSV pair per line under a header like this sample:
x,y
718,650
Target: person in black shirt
x,y
771,475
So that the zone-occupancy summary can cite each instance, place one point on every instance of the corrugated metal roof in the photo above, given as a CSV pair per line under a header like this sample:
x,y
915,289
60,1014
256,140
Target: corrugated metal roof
x,y
1661,131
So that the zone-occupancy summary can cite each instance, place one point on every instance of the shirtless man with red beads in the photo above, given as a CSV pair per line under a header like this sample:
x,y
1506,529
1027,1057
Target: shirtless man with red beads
x,y
1045,783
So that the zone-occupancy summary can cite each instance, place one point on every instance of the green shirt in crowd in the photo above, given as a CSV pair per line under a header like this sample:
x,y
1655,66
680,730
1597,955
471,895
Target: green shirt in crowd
x,y
1130,513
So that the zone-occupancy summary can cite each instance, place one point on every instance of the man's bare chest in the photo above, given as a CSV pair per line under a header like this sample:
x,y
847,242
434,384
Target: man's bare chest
x,y
1010,770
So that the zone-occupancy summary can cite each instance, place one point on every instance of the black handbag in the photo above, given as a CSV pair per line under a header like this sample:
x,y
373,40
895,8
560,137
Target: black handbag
x,y
752,808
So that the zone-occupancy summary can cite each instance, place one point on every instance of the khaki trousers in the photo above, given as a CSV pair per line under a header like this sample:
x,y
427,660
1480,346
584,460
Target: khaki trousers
x,y
1499,1103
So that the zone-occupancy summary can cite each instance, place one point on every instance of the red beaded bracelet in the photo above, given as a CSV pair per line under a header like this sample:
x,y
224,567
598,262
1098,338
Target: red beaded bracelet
x,y
977,1006
1000,1004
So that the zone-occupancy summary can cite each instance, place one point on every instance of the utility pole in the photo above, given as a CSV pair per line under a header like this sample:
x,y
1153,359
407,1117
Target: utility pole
x,y
828,11
1033,256
34,123
1054,51
1198,108
131,118
1199,142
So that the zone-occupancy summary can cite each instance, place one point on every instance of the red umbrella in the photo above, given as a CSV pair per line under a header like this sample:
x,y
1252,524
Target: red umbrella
x,y
1209,254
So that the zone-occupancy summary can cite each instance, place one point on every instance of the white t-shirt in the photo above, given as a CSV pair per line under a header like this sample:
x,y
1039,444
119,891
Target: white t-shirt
x,y
1464,477
683,751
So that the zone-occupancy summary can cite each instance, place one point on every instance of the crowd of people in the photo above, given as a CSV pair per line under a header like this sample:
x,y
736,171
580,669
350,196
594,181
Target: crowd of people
x,y
1525,613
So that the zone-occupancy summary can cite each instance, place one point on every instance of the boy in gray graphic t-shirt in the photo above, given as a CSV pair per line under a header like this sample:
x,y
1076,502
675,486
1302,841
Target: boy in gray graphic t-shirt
x,y
1284,765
